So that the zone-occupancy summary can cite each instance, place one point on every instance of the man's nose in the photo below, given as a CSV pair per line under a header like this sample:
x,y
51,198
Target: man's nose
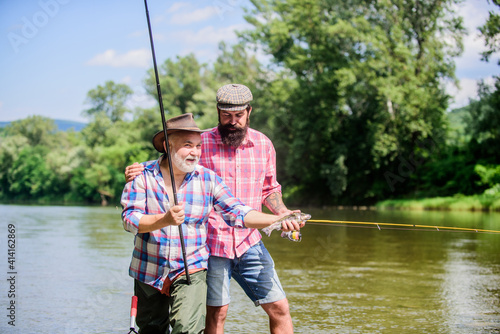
x,y
196,151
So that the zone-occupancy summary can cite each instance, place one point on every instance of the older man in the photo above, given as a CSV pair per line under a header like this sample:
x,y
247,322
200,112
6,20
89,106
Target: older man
x,y
245,159
149,212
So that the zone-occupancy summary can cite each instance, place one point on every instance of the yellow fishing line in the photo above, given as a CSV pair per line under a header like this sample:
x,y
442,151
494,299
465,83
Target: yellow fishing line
x,y
403,225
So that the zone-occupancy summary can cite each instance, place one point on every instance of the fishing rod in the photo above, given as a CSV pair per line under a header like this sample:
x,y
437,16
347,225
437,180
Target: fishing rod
x,y
381,226
160,101
296,236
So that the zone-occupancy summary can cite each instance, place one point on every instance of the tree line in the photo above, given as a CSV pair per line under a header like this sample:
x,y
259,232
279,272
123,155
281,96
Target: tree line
x,y
351,94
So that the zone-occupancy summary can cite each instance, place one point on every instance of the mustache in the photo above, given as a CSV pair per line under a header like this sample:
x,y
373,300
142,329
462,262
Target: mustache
x,y
229,127
192,157
232,135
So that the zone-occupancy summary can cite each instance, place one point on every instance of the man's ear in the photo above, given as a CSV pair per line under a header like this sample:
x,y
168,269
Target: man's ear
x,y
170,146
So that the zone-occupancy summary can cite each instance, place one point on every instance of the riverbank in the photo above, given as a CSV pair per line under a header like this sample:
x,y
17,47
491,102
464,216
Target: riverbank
x,y
483,202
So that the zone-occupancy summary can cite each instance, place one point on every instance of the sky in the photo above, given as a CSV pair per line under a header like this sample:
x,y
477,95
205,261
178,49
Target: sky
x,y
52,52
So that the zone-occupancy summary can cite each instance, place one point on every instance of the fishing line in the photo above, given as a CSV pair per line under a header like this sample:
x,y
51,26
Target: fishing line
x,y
393,226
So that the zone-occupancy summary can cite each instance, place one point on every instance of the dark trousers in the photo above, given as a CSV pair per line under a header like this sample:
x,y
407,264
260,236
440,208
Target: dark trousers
x,y
184,310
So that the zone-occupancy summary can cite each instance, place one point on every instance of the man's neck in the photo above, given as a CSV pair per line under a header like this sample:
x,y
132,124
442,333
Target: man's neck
x,y
179,176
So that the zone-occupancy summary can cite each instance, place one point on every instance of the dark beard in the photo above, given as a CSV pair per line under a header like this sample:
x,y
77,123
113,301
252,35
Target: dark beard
x,y
232,135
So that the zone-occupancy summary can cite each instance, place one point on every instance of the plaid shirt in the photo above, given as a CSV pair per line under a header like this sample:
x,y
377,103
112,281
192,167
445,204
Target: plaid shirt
x,y
250,172
157,255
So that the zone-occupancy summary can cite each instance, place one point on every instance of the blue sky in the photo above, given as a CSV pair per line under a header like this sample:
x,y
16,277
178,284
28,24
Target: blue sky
x,y
52,52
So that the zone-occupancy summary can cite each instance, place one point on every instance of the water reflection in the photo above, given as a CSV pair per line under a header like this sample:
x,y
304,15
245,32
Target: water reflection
x,y
73,274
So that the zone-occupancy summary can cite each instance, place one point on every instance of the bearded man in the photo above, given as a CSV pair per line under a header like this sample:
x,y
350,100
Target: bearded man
x,y
245,159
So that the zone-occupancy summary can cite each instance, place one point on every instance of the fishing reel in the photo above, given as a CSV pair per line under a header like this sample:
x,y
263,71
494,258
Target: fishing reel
x,y
295,236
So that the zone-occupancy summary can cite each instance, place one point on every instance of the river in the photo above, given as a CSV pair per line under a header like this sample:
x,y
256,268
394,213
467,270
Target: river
x,y
65,270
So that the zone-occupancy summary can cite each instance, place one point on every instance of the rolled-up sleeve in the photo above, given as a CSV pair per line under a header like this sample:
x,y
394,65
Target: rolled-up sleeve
x,y
133,203
271,184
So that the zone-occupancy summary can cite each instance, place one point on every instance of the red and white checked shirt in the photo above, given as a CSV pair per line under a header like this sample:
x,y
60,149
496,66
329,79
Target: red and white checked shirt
x,y
250,172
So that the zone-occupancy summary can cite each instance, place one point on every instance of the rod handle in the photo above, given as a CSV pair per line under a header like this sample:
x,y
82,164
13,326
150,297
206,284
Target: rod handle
x,y
133,312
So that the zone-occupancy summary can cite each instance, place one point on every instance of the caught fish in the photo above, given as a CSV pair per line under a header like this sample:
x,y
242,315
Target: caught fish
x,y
297,216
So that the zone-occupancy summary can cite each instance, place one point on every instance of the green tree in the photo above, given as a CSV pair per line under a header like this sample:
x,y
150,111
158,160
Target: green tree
x,y
236,64
491,33
179,82
109,100
38,130
29,176
483,124
484,120
368,87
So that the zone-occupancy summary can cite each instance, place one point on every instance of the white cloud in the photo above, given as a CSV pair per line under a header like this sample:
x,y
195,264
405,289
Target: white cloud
x,y
475,14
140,98
176,6
133,58
466,91
126,80
139,33
208,35
197,15
470,68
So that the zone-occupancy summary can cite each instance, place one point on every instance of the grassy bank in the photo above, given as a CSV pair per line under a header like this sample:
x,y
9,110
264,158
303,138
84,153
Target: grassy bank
x,y
483,202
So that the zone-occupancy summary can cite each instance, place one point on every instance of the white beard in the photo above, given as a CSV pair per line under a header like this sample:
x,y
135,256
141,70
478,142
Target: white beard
x,y
184,165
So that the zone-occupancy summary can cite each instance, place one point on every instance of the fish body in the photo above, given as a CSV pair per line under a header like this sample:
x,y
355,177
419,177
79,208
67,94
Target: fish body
x,y
297,216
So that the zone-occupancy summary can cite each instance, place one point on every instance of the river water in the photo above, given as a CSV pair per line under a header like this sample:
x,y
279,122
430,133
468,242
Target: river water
x,y
68,273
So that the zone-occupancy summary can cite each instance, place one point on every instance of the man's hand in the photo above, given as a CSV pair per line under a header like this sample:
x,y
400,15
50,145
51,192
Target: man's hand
x,y
132,171
175,216
286,224
291,224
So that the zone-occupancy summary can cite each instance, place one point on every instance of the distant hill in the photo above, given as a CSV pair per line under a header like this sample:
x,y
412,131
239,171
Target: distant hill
x,y
62,125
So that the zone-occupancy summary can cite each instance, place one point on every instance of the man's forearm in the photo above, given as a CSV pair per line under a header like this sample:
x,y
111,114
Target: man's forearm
x,y
257,219
149,223
274,202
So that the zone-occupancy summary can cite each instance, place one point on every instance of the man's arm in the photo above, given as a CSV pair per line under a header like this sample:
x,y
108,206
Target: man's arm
x,y
240,215
274,202
134,214
257,219
175,216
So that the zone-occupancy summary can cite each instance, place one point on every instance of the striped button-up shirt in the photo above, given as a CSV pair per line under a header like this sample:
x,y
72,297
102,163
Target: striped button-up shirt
x,y
157,255
250,172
